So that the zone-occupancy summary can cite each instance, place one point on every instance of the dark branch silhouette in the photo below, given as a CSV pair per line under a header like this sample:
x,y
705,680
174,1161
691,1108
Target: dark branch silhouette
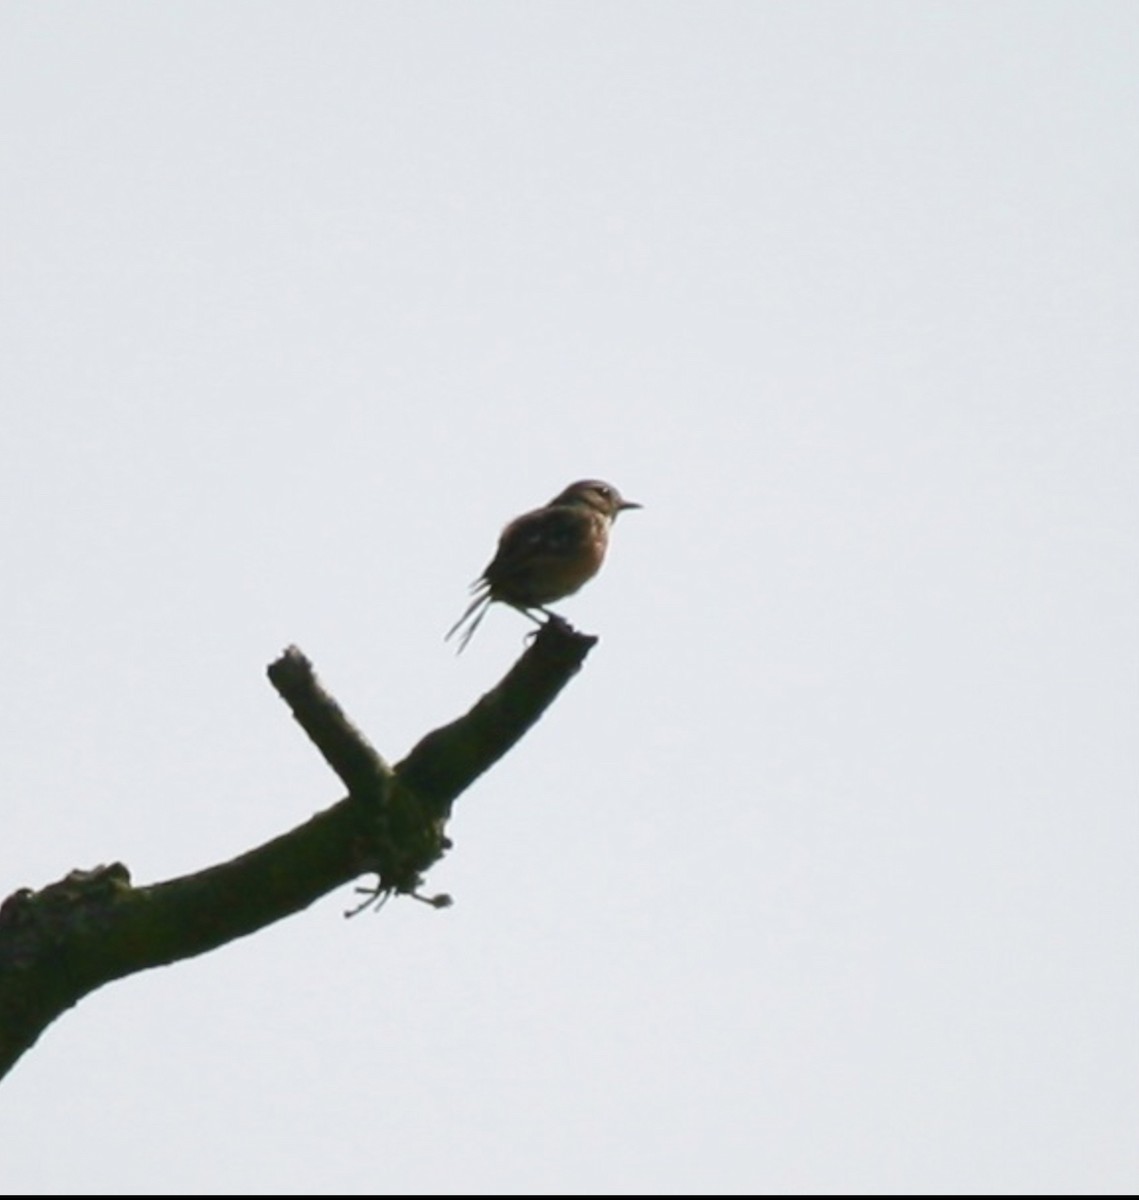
x,y
71,937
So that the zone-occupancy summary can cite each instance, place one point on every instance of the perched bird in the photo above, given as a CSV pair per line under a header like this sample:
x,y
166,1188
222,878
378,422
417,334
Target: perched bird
x,y
546,554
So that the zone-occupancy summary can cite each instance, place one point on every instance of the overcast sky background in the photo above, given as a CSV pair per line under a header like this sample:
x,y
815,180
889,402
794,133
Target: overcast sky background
x,y
821,876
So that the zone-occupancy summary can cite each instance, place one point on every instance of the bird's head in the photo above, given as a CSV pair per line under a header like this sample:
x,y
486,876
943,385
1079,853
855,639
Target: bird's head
x,y
596,494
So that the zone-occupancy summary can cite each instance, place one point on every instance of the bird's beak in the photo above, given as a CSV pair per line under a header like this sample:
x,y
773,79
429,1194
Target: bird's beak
x,y
628,504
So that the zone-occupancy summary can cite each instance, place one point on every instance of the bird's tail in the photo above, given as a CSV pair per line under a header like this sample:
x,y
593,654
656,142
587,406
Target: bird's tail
x,y
476,610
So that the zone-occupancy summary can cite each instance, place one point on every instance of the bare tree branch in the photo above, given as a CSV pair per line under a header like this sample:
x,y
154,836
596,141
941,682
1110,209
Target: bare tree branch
x,y
73,936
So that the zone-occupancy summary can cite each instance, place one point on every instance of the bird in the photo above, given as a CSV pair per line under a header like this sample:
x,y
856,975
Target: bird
x,y
546,555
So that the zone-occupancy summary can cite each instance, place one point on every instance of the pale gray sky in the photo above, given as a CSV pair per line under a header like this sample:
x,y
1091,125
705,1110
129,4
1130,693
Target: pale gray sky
x,y
821,876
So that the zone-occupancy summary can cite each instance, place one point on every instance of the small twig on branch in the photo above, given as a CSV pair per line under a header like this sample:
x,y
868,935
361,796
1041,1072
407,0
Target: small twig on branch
x,y
346,750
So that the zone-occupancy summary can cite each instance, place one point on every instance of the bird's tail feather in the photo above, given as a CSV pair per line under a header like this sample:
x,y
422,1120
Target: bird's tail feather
x,y
475,612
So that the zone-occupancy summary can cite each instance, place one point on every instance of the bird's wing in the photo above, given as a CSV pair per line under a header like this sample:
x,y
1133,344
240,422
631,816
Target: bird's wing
x,y
544,533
